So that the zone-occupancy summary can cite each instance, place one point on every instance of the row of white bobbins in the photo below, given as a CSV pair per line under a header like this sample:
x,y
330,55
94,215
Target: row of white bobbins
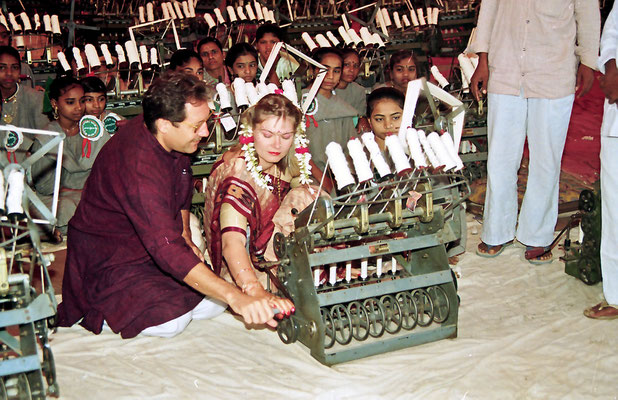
x,y
237,15
148,59
247,94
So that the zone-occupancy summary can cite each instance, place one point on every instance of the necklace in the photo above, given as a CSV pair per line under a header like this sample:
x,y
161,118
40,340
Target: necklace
x,y
278,184
8,117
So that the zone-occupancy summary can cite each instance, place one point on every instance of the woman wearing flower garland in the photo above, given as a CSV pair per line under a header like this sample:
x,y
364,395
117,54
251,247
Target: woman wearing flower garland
x,y
248,186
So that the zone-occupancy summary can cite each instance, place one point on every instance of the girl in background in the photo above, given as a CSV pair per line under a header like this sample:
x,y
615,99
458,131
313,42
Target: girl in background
x,y
242,61
187,61
348,89
403,68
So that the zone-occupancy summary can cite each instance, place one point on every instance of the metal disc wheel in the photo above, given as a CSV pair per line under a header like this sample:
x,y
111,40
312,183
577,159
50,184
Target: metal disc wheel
x,y
409,312
393,313
586,200
17,387
375,309
589,269
441,305
360,320
342,324
329,332
424,304
287,330
279,245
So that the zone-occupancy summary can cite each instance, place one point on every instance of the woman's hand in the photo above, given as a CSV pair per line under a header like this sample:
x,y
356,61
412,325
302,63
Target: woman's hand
x,y
285,306
253,310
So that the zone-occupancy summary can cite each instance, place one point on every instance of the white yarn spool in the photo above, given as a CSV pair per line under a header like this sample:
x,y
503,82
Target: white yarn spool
x,y
344,35
271,16
55,25
14,24
378,40
441,152
15,192
143,54
332,274
366,36
405,20
467,69
240,95
421,18
308,41
191,9
250,13
132,53
332,38
150,12
231,14
359,159
387,17
435,14
428,16
177,8
265,14
166,13
416,150
170,10
271,88
185,9
77,56
339,165
219,16
241,13
252,94
92,56
258,11
447,140
433,159
225,100
380,20
397,153
376,155
2,193
106,55
4,22
414,18
63,61
209,20
437,75
397,20
37,22
141,12
354,36
19,42
26,21
322,41
154,57
47,23
262,89
289,90
120,54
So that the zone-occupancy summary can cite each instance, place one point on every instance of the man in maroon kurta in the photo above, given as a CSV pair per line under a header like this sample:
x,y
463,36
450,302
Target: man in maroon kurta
x,y
130,259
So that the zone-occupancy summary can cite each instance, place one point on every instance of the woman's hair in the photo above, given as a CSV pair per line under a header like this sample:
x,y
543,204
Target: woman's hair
x,y
61,85
92,84
167,96
11,51
239,49
276,105
208,39
182,57
273,29
384,93
402,55
349,51
319,54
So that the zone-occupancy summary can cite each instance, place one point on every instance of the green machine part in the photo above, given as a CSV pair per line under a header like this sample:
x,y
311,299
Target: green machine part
x,y
389,309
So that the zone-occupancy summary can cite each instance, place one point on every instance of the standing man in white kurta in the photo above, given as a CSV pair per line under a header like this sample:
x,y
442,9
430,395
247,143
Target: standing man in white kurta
x,y
535,56
608,309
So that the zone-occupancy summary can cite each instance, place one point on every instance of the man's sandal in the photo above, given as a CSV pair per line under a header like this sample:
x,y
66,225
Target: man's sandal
x,y
538,255
489,251
602,311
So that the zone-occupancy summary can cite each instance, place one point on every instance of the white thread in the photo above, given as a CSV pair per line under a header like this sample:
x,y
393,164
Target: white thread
x,y
308,41
366,36
178,10
47,23
2,193
19,42
185,9
250,12
170,10
441,152
120,54
397,153
364,265
377,39
322,41
262,89
435,14
240,95
332,38
379,267
397,20
141,12
15,192
143,53
414,18
4,22
37,22
344,35
376,155
252,94
106,55
387,17
406,21
348,271
191,9
209,20
154,57
354,36
14,24
433,159
415,148
241,13
219,16
26,21
92,56
231,13
258,11
271,16
131,52
77,56
339,165
225,100
166,13
150,12
272,87
332,274
447,140
289,91
467,69
63,61
421,18
437,75
359,159
55,25
265,14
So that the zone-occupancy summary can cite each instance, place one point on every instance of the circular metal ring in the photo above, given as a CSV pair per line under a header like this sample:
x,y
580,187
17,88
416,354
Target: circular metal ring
x,y
287,330
409,312
342,324
375,309
394,317
424,304
279,245
589,270
360,320
441,304
329,332
586,200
